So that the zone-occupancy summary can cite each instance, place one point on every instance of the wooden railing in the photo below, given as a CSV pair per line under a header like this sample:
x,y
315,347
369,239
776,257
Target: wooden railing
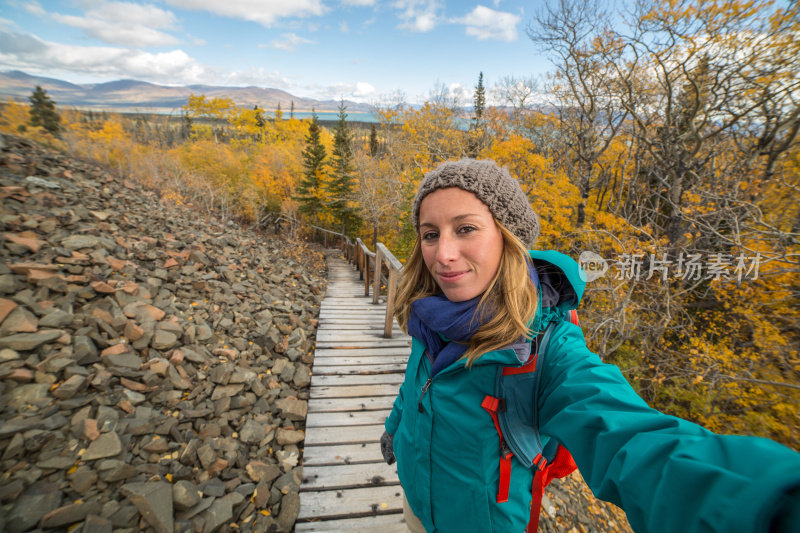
x,y
371,267
380,267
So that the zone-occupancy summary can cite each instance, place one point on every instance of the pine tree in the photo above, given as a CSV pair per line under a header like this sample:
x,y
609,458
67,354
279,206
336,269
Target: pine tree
x,y
341,186
480,101
477,138
291,110
43,111
373,141
314,154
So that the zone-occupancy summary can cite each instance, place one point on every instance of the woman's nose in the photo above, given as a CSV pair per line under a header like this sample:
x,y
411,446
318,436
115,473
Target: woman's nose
x,y
447,248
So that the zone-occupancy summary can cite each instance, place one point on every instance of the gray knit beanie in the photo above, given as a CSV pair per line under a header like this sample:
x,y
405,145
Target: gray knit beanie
x,y
493,186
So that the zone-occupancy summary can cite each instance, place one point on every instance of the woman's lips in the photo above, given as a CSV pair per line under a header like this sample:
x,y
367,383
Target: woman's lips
x,y
451,277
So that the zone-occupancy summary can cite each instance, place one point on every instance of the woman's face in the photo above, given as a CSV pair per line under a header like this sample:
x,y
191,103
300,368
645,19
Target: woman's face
x,y
461,244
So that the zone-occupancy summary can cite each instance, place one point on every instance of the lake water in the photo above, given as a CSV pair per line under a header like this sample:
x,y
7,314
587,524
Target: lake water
x,y
334,116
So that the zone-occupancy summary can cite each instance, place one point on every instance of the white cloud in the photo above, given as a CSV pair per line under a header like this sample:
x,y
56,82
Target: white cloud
x,y
289,42
418,15
360,3
33,8
343,27
358,92
31,54
264,12
124,23
256,76
486,23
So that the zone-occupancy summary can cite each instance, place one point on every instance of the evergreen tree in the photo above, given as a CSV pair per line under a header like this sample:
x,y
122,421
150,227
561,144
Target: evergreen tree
x,y
43,111
186,126
477,137
308,191
480,101
373,141
341,187
291,110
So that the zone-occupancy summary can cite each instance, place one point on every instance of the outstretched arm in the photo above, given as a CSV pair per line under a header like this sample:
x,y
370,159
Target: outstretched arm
x,y
666,473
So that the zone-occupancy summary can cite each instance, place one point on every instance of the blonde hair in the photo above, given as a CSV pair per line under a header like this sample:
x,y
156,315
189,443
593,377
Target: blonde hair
x,y
508,305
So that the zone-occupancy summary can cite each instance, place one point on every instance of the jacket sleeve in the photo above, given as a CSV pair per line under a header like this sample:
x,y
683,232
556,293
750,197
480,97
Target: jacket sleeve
x,y
393,420
666,473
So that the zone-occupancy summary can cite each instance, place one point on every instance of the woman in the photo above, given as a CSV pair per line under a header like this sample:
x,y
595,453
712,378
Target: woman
x,y
472,297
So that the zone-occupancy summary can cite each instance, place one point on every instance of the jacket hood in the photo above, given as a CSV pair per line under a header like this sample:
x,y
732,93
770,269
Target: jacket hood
x,y
561,285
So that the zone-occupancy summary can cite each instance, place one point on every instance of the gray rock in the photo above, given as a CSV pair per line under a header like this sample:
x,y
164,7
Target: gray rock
x,y
154,502
83,349
82,479
261,472
16,447
7,355
290,507
302,377
69,514
29,341
207,455
164,340
112,470
213,487
177,381
56,319
29,509
252,432
204,504
230,391
107,418
134,397
106,445
292,408
220,513
97,524
124,360
25,394
76,242
185,495
56,463
69,388
289,436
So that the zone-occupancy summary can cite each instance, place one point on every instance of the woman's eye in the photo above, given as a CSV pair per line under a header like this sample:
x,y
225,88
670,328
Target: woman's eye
x,y
429,235
466,229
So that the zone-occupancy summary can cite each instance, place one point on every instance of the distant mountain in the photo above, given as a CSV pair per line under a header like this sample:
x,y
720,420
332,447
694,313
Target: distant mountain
x,y
134,95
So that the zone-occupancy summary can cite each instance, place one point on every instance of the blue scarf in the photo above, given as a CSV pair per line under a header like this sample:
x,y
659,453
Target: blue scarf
x,y
435,317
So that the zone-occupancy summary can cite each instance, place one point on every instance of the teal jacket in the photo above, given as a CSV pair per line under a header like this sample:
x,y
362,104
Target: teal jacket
x,y
667,474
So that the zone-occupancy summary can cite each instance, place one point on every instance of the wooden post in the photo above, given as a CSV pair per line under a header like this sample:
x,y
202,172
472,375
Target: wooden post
x,y
389,321
366,272
376,282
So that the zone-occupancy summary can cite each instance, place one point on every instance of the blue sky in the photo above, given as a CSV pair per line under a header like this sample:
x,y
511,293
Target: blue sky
x,y
362,50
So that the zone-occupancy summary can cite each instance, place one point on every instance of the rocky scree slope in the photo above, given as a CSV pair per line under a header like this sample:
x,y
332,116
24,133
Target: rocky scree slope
x,y
154,365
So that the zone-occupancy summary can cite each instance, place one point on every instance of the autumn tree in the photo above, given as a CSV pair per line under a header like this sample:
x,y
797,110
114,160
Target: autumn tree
x,y
574,33
210,115
340,188
309,192
681,122
43,111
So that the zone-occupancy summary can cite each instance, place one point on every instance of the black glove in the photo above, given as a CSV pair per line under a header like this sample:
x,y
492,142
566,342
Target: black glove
x,y
387,448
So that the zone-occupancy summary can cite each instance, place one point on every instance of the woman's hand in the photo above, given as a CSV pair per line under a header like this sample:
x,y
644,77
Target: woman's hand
x,y
387,448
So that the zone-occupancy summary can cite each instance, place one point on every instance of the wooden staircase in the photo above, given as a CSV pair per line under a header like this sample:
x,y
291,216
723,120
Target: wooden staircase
x,y
355,378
